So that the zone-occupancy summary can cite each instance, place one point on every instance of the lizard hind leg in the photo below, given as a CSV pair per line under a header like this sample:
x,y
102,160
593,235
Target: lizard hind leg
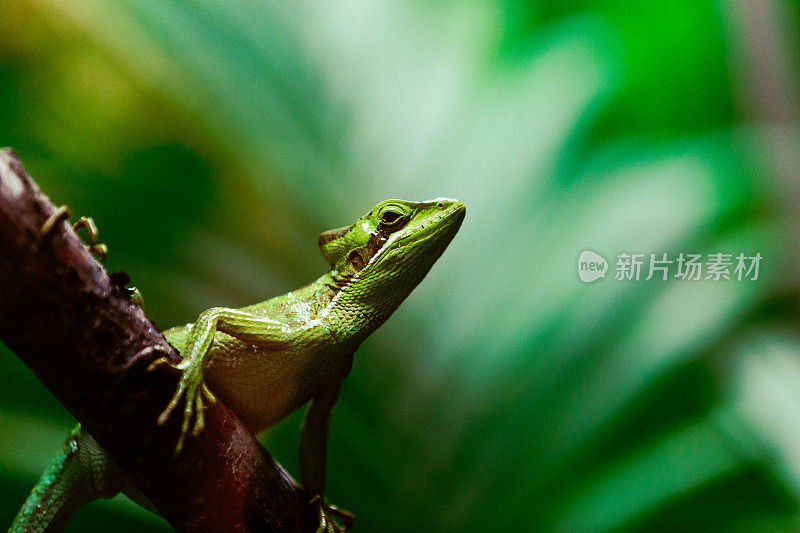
x,y
81,472
94,246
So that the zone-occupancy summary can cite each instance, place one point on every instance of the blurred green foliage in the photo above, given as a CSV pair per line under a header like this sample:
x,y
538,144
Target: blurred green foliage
x,y
212,142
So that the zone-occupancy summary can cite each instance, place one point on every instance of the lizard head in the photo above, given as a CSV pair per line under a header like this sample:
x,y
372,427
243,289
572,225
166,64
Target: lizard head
x,y
387,252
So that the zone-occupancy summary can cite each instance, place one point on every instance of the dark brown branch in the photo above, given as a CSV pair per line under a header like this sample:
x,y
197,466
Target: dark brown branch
x,y
67,320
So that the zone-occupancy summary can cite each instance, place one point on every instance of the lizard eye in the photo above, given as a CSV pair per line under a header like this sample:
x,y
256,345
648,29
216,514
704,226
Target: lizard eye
x,y
391,218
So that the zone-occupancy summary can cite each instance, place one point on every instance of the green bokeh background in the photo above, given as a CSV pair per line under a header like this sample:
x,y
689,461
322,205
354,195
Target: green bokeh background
x,y
213,140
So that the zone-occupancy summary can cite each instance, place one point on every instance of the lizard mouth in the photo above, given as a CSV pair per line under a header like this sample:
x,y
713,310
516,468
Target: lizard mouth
x,y
447,222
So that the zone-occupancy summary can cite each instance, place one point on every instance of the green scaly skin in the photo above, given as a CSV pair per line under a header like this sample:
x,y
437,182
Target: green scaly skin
x,y
293,349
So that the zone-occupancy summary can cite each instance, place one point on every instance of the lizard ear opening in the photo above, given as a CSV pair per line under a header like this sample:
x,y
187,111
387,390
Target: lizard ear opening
x,y
331,245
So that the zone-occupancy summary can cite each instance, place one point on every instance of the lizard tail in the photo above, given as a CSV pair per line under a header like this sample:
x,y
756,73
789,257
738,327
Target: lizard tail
x,y
82,472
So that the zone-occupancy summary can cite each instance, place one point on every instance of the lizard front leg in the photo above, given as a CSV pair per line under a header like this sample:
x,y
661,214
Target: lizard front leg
x,y
197,354
313,458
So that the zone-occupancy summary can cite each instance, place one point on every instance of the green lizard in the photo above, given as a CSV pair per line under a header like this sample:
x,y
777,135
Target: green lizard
x,y
268,359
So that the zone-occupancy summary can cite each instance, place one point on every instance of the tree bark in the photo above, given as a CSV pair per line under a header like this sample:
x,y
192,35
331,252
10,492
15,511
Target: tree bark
x,y
76,328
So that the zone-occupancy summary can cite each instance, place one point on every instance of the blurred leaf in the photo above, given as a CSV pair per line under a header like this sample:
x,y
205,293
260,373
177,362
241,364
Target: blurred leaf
x,y
214,141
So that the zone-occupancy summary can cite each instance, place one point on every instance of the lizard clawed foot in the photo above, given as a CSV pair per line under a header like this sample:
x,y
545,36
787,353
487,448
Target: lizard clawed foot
x,y
163,361
60,213
197,393
94,247
326,513
84,222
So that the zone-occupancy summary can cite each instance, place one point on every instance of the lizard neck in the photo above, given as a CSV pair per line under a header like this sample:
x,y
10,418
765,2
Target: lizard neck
x,y
359,304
